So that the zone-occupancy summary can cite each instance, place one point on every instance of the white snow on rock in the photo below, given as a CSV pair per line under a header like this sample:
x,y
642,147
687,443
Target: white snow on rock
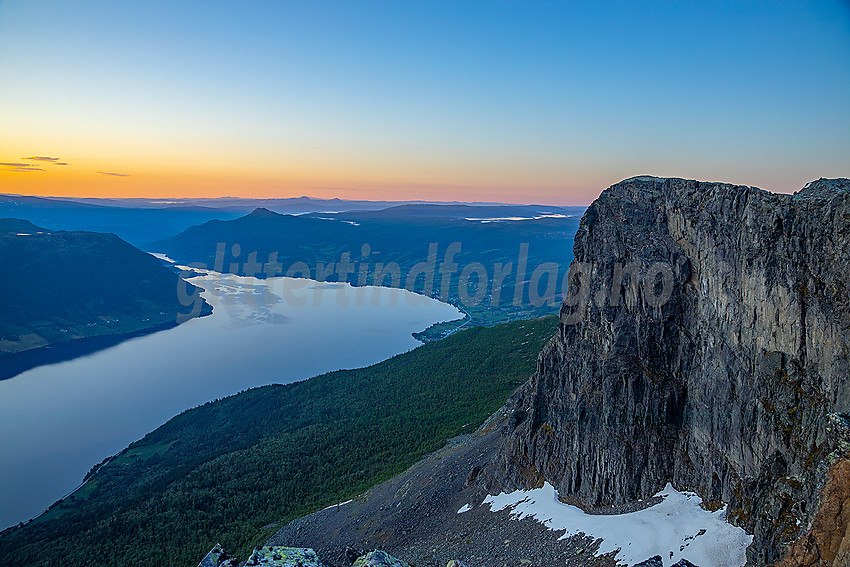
x,y
538,217
338,504
464,508
675,528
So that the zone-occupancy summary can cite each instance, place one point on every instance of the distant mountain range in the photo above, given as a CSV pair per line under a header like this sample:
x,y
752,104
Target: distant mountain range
x,y
140,221
135,225
466,212
292,205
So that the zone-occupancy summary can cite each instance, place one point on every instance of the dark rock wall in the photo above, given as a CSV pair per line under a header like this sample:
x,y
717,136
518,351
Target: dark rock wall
x,y
704,342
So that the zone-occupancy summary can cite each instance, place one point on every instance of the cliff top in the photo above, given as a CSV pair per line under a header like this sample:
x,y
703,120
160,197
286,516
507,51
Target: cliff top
x,y
822,188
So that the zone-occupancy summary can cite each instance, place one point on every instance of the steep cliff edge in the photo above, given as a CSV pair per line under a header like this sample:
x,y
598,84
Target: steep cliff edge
x,y
705,343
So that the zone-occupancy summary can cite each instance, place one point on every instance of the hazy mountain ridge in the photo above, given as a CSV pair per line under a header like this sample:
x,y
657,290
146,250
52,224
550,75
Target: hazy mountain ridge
x,y
136,225
463,211
289,205
140,221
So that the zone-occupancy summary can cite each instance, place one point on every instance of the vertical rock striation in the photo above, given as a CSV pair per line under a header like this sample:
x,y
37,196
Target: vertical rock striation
x,y
704,342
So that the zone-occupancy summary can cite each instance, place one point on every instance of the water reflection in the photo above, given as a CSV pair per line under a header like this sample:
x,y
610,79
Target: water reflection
x,y
57,420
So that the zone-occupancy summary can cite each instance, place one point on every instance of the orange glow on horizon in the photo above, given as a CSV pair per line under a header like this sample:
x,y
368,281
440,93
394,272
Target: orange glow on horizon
x,y
89,178
152,171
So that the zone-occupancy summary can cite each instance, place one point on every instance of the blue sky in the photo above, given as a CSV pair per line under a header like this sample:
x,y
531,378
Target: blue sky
x,y
510,101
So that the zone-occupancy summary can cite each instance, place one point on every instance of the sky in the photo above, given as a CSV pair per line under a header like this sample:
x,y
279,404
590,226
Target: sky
x,y
543,102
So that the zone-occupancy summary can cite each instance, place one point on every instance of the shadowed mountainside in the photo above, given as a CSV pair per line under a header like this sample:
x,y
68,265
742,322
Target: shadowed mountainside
x,y
60,287
734,386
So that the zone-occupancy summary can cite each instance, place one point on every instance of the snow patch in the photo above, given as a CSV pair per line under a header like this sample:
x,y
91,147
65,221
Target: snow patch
x,y
675,528
352,223
499,219
337,505
464,508
162,257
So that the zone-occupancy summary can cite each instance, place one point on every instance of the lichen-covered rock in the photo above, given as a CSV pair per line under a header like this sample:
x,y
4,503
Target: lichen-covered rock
x,y
651,562
278,556
217,557
352,553
704,342
379,559
456,563
211,559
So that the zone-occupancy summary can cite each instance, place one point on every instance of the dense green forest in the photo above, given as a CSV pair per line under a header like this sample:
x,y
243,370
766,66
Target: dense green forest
x,y
231,470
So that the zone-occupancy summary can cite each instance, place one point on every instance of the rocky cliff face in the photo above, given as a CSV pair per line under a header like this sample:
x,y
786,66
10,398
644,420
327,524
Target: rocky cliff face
x,y
704,342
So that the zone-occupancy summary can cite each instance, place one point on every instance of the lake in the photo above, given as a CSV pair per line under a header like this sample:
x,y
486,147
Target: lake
x,y
60,419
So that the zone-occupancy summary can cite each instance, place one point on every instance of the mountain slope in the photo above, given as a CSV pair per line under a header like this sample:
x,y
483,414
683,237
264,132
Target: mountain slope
x,y
225,471
62,286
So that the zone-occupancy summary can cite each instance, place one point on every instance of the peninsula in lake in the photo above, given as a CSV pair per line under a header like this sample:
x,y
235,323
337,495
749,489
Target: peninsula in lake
x,y
68,293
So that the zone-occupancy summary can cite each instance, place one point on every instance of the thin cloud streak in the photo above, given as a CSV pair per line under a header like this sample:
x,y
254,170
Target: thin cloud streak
x,y
20,167
43,158
114,173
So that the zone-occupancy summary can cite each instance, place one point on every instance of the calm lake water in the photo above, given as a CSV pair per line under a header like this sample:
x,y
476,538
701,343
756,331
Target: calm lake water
x,y
56,421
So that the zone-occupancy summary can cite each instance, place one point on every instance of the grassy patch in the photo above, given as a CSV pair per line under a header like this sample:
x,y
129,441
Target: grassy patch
x,y
139,452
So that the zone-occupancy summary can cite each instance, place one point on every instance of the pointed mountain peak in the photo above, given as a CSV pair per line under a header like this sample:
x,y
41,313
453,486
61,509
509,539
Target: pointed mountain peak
x,y
263,212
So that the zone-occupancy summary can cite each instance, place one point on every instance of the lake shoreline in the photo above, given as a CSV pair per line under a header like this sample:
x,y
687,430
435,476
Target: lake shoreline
x,y
77,402
17,363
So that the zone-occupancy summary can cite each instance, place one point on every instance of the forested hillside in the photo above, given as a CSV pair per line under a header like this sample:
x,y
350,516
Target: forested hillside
x,y
60,286
229,471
